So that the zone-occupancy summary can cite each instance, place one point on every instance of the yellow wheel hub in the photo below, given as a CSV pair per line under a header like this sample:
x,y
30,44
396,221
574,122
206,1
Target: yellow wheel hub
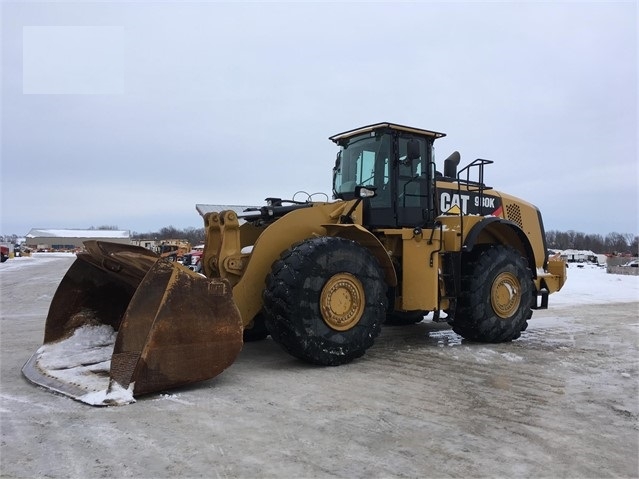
x,y
342,301
505,295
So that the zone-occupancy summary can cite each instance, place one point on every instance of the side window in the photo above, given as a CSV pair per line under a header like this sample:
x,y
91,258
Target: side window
x,y
411,188
363,161
367,172
381,180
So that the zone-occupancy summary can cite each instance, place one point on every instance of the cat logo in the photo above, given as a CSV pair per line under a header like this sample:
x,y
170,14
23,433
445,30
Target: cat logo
x,y
454,204
454,210
471,203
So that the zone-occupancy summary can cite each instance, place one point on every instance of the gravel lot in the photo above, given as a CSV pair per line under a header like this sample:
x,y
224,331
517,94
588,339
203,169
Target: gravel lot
x,y
560,402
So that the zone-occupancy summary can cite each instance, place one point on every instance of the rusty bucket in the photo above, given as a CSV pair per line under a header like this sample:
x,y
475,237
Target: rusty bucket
x,y
125,322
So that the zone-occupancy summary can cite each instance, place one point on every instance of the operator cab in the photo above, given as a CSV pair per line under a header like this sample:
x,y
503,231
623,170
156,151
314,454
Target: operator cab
x,y
397,162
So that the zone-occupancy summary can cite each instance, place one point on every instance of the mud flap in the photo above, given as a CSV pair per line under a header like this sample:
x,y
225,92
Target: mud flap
x,y
125,322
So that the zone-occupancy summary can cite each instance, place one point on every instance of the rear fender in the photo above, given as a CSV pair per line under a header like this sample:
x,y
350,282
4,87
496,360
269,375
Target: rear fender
x,y
494,230
548,275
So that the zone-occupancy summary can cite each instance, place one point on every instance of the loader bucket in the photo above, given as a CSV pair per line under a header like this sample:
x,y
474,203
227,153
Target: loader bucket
x,y
125,322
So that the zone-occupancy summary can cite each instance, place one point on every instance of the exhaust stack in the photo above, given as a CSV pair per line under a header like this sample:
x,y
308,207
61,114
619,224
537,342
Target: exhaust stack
x,y
450,164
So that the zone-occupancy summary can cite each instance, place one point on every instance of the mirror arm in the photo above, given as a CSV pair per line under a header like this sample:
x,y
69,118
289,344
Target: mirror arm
x,y
347,219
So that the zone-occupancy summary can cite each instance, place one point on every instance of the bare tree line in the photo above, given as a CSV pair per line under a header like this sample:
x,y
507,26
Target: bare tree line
x,y
612,243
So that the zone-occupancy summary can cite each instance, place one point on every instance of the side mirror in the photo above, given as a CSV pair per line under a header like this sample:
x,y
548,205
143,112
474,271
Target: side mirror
x,y
362,192
412,150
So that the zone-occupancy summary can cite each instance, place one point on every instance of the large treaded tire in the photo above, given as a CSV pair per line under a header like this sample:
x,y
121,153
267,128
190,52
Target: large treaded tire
x,y
298,284
496,296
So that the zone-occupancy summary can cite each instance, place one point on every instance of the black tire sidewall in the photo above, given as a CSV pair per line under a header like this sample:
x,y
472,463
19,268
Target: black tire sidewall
x,y
475,318
292,300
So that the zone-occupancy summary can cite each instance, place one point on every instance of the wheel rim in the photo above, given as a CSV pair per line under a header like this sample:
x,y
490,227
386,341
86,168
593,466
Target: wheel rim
x,y
505,295
342,301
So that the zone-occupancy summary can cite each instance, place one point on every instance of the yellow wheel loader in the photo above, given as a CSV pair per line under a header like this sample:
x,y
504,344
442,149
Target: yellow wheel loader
x,y
400,240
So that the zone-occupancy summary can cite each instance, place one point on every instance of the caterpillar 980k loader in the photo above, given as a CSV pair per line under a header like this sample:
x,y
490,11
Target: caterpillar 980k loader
x,y
399,241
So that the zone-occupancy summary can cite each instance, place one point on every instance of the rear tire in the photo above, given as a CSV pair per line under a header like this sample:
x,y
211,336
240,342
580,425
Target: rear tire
x,y
496,298
325,301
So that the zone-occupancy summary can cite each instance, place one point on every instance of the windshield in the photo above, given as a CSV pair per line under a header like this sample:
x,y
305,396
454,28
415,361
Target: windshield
x,y
364,161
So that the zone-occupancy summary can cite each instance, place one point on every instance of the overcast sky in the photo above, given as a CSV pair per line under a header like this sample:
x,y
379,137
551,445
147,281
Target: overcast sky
x,y
129,114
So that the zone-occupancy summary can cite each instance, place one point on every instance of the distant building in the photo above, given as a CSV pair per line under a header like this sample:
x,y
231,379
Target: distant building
x,y
150,244
39,239
579,256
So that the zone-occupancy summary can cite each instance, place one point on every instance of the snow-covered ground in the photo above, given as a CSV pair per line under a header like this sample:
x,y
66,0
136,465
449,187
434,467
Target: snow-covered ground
x,y
74,360
20,262
590,284
586,284
421,403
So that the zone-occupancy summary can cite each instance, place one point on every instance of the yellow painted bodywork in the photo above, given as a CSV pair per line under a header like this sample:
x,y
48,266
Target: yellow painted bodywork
x,y
418,257
411,259
225,240
526,236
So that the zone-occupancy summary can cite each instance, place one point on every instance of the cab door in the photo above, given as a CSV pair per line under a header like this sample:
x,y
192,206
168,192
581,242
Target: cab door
x,y
413,199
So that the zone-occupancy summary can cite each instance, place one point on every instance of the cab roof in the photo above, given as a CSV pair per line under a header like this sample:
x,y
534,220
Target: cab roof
x,y
393,126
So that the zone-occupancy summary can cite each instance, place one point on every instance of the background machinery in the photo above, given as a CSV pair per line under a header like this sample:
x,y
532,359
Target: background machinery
x,y
173,250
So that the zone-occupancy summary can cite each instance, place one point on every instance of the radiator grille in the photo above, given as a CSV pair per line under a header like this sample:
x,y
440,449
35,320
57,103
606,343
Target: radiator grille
x,y
513,213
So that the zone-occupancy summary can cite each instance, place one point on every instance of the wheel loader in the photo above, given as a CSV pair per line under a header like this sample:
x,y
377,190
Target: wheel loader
x,y
399,240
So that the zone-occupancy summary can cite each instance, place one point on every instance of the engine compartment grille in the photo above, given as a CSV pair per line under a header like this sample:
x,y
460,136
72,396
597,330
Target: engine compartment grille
x,y
513,213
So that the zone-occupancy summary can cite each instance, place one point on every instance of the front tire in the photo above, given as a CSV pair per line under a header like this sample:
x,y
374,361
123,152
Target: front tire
x,y
325,300
496,298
